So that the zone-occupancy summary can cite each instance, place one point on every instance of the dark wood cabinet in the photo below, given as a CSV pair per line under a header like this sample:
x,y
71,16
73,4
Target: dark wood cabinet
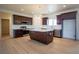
x,y
66,16
17,19
44,21
20,33
44,37
59,20
69,15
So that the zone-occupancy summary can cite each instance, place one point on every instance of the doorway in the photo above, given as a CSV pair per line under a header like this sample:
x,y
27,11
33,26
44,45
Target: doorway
x,y
4,27
69,29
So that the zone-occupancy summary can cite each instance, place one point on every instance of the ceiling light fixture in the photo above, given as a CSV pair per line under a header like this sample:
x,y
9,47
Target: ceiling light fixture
x,y
64,6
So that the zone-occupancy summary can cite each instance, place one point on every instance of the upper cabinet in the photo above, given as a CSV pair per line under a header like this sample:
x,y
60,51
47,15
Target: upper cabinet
x,y
66,16
44,21
69,15
59,20
22,20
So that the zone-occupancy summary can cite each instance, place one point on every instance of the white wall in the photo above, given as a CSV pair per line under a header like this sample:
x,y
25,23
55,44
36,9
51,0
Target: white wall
x,y
11,25
52,17
37,20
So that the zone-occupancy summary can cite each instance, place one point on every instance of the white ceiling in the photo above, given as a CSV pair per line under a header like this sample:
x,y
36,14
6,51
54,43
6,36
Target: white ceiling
x,y
38,8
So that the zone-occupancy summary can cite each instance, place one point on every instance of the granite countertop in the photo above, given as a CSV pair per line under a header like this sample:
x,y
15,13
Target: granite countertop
x,y
38,29
42,29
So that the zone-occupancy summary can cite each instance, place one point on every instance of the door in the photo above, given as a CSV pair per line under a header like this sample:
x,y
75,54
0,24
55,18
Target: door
x,y
69,29
5,27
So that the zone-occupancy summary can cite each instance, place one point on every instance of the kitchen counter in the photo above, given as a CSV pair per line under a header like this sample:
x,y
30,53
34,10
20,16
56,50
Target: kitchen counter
x,y
20,32
36,29
42,29
42,35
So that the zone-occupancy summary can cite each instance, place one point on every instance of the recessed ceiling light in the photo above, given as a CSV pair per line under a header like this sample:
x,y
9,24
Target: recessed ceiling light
x,y
22,9
64,6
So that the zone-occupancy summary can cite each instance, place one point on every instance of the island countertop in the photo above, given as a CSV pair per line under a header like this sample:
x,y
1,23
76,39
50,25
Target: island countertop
x,y
37,29
42,29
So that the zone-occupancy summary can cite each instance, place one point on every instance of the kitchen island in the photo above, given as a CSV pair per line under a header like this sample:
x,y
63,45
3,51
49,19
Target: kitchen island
x,y
42,35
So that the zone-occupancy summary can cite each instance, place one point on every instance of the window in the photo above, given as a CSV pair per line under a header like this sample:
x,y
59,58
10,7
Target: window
x,y
52,22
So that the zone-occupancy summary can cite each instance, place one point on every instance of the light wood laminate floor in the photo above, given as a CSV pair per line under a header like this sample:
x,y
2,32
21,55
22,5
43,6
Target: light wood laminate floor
x,y
24,45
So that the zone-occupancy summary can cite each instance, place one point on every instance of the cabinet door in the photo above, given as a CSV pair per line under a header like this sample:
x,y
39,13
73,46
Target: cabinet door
x,y
22,20
59,20
44,21
18,33
17,19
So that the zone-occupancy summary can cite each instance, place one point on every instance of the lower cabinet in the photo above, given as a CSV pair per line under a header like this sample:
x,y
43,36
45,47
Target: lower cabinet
x,y
20,33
